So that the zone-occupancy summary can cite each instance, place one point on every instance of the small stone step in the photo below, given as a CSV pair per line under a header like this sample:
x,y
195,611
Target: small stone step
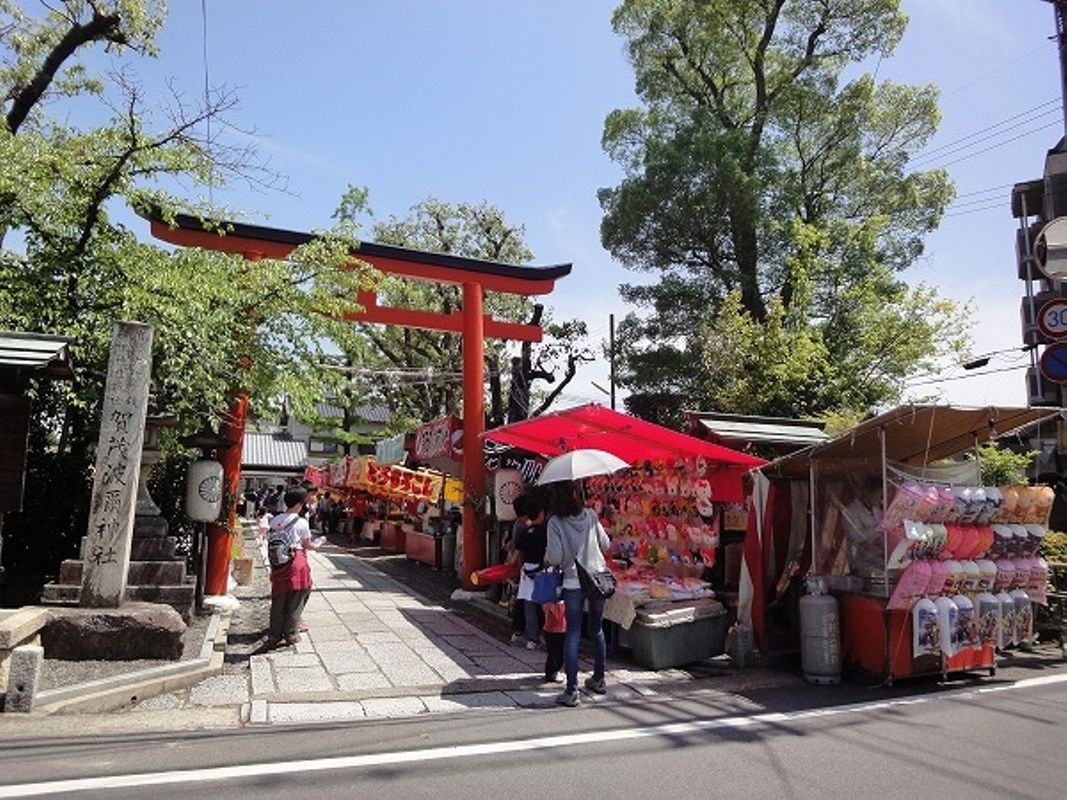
x,y
140,573
161,594
180,598
61,594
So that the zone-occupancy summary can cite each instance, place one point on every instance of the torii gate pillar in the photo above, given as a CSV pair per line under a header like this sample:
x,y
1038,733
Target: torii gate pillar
x,y
473,427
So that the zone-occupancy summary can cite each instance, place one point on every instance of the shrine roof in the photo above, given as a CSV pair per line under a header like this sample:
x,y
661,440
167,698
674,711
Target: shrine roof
x,y
239,237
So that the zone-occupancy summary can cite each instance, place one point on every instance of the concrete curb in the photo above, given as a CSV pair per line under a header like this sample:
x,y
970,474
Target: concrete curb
x,y
109,694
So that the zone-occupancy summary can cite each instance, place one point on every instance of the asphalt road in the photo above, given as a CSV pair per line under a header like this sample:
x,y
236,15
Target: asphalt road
x,y
987,739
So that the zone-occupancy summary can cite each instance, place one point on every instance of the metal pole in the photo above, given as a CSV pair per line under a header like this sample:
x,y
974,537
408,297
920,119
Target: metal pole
x,y
812,570
200,560
1060,8
611,358
885,500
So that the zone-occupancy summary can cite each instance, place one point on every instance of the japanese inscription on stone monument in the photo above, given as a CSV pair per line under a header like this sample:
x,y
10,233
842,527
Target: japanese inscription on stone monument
x,y
118,460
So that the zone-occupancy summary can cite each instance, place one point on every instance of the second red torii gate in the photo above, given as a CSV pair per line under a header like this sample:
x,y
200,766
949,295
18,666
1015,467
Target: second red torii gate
x,y
473,275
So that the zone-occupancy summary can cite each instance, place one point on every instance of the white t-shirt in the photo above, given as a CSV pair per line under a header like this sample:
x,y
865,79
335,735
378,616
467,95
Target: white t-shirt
x,y
298,533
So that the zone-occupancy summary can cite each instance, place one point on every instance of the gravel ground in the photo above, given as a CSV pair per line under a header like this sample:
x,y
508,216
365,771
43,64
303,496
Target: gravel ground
x,y
56,674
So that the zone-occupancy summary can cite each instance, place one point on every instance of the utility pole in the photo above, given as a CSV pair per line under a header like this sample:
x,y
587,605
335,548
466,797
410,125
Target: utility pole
x,y
1060,10
611,358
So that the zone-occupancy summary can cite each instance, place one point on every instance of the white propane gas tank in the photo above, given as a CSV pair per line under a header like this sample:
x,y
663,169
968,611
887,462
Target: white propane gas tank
x,y
820,635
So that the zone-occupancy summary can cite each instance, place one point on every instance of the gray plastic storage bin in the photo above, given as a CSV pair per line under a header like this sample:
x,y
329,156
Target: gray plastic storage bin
x,y
678,634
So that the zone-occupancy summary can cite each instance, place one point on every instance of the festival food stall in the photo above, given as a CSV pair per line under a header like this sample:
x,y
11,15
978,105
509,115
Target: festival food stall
x,y
933,572
664,516
412,502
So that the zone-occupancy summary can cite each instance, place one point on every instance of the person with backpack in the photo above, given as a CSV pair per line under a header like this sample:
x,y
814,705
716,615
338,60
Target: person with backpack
x,y
288,540
576,538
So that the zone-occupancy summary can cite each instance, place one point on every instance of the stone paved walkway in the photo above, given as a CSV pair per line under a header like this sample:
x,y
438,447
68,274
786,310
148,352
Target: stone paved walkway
x,y
375,648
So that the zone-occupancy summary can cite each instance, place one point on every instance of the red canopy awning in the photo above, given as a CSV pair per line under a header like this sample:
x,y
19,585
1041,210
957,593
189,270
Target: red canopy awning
x,y
627,437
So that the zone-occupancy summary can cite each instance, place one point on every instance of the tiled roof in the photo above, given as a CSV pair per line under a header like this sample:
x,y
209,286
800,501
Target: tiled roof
x,y
366,413
35,351
274,450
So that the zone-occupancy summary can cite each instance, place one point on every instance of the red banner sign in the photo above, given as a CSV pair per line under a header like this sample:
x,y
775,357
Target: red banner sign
x,y
442,438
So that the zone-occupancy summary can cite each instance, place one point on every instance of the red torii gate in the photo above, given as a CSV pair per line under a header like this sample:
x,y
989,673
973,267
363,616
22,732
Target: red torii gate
x,y
473,275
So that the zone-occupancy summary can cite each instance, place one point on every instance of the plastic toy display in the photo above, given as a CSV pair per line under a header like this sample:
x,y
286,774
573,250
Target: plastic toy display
x,y
963,560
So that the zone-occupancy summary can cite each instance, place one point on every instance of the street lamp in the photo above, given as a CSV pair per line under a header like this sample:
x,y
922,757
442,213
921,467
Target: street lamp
x,y
201,500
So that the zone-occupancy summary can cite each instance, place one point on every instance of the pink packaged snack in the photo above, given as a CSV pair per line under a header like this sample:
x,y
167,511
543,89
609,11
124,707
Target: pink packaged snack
x,y
944,504
1022,572
1005,575
1038,586
910,587
912,501
938,576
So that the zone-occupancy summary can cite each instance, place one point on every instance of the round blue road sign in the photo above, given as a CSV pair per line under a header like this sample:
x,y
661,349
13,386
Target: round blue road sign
x,y
1054,362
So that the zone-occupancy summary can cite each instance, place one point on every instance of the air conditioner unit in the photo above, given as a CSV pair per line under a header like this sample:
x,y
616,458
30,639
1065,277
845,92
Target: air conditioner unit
x,y
1049,394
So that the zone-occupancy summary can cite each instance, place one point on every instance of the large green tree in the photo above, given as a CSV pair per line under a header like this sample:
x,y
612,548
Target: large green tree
x,y
772,197
75,149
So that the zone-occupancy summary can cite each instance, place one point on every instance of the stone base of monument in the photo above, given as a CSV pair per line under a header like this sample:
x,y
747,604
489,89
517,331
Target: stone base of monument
x,y
156,575
131,632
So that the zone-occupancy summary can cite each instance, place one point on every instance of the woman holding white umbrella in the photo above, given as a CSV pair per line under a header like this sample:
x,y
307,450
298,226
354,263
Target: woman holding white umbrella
x,y
575,534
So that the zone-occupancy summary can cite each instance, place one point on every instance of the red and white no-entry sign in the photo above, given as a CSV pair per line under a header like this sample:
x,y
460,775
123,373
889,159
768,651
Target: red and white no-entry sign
x,y
1052,318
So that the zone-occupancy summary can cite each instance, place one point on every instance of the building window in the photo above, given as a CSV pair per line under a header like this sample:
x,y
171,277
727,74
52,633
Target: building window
x,y
322,446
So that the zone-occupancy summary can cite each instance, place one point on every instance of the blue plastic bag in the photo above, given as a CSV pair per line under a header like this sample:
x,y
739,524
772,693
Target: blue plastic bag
x,y
546,586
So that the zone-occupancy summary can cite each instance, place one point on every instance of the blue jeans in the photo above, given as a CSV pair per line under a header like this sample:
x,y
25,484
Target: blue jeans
x,y
533,621
572,603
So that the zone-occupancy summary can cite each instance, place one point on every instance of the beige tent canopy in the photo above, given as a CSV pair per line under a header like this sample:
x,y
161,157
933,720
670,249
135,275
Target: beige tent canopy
x,y
913,434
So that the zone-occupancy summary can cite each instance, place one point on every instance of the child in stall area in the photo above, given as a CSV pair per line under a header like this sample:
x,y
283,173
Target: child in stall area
x,y
554,631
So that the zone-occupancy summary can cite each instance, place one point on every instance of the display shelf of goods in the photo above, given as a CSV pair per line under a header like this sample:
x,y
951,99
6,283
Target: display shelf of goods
x,y
660,515
965,566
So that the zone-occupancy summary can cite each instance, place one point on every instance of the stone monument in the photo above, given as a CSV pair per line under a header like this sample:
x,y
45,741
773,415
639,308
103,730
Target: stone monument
x,y
118,463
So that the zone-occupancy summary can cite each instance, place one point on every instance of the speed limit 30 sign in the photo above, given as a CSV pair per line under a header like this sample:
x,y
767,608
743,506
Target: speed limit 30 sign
x,y
1052,318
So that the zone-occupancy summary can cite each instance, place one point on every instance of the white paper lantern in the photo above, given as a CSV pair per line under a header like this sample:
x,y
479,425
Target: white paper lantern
x,y
507,485
203,490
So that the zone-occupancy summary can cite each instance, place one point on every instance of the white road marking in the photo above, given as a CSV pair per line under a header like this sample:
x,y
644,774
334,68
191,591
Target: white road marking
x,y
246,771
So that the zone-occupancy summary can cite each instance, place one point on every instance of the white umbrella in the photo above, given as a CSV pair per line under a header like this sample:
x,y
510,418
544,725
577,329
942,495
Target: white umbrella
x,y
579,464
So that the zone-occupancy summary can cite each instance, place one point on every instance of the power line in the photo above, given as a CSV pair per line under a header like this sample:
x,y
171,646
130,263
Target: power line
x,y
999,204
937,152
989,190
965,377
1023,135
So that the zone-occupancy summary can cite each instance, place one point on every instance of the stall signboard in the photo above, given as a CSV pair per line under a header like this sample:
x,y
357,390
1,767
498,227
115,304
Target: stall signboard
x,y
387,480
442,438
500,456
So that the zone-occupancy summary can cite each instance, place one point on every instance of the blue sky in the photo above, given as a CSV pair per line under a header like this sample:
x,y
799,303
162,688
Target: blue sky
x,y
472,100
